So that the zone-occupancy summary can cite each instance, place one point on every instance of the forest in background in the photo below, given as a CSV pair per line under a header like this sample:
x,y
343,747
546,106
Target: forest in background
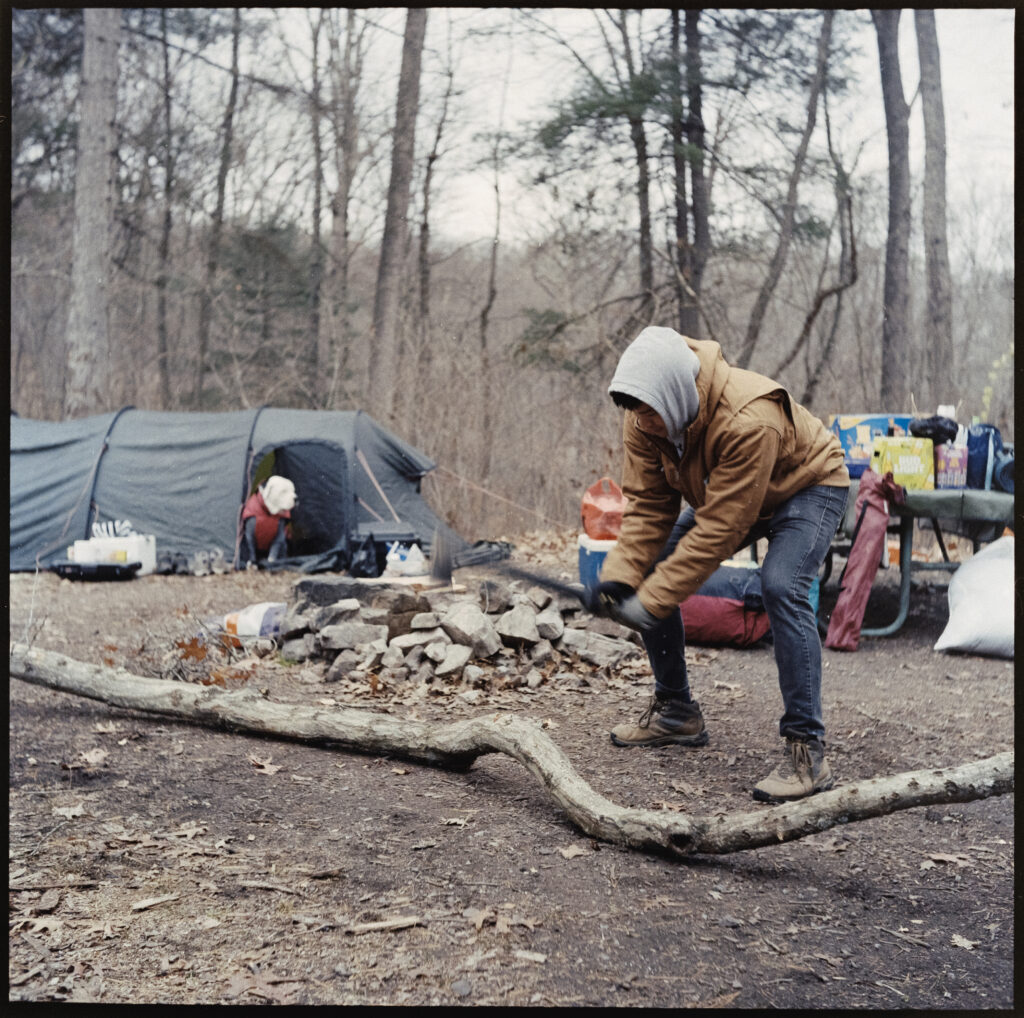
x,y
258,216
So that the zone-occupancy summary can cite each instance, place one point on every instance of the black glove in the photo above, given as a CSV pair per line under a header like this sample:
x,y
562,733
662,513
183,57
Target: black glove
x,y
602,598
632,613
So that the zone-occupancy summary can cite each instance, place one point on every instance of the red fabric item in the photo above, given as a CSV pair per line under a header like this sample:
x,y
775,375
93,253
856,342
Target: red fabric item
x,y
722,621
865,557
265,529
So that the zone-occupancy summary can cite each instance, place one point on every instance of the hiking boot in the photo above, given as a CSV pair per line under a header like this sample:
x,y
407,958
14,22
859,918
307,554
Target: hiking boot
x,y
803,771
663,723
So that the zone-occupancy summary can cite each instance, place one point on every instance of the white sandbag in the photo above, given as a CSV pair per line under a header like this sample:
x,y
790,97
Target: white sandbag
x,y
981,603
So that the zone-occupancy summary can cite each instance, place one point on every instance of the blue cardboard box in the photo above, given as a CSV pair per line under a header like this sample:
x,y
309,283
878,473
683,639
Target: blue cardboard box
x,y
857,433
591,555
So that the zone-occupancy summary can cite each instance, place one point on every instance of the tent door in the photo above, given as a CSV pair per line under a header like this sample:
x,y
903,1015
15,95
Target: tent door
x,y
320,520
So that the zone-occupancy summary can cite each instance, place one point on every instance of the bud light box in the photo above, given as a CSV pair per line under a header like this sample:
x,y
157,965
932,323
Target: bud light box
x,y
857,433
592,553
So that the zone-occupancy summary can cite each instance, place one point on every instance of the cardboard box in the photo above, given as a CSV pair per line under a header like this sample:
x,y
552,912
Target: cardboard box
x,y
592,553
133,548
910,460
857,432
950,466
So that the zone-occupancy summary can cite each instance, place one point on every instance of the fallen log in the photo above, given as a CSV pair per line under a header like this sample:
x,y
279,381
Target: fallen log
x,y
457,744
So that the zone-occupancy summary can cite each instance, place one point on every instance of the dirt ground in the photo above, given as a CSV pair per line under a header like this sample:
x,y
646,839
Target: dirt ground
x,y
153,861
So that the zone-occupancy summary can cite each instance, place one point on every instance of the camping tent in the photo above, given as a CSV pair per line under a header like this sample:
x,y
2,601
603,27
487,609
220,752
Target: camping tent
x,y
183,477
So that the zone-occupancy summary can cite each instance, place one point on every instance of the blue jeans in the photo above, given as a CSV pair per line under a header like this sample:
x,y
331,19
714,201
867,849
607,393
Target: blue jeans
x,y
799,534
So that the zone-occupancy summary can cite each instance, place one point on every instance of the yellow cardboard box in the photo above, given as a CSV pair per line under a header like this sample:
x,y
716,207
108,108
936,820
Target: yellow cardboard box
x,y
910,460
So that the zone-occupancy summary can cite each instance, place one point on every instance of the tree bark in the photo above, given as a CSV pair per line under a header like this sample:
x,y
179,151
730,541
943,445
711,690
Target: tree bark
x,y
778,262
939,353
698,178
88,332
896,288
163,358
217,224
458,744
333,325
686,310
394,243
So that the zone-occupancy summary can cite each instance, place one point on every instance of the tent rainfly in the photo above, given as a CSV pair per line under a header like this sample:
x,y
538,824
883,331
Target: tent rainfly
x,y
184,477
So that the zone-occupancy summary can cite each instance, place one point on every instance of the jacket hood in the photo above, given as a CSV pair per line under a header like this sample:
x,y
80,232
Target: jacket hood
x,y
278,495
659,369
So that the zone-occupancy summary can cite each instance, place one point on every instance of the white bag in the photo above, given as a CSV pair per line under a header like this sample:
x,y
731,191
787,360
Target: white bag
x,y
405,560
981,603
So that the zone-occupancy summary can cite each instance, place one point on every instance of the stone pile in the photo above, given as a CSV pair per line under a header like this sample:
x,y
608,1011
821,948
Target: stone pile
x,y
500,634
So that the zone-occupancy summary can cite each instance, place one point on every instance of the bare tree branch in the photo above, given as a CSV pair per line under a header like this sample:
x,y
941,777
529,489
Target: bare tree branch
x,y
458,744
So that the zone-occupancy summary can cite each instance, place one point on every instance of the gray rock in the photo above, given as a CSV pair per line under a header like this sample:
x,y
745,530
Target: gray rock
x,y
594,648
392,657
343,665
436,651
455,660
420,638
550,624
465,623
534,678
495,597
518,626
414,657
542,651
609,627
540,597
474,675
374,616
300,648
345,635
346,610
425,620
424,672
296,621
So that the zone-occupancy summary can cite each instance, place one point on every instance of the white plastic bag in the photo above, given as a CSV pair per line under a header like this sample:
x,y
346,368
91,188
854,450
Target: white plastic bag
x,y
981,603
405,560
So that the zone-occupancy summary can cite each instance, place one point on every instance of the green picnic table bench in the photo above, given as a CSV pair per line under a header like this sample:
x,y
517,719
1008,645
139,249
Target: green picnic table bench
x,y
940,506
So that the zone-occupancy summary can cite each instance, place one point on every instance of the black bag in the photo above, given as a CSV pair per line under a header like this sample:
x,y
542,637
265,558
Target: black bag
x,y
939,429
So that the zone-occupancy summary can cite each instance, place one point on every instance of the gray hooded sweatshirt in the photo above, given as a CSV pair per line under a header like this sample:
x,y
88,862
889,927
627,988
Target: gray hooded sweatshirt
x,y
659,369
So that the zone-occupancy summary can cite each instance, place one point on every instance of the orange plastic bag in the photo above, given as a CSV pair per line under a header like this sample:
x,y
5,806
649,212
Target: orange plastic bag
x,y
603,503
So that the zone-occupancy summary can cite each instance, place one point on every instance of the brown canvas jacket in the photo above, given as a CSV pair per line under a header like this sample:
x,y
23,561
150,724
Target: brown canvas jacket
x,y
750,448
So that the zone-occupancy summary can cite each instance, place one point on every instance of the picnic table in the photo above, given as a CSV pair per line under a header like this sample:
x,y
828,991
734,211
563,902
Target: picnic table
x,y
941,506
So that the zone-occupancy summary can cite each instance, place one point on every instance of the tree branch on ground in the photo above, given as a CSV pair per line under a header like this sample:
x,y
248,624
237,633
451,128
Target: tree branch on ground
x,y
457,744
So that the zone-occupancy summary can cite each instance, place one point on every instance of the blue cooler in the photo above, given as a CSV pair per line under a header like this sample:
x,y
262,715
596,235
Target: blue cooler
x,y
592,553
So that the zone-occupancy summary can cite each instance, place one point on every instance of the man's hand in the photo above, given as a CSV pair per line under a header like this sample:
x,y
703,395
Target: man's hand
x,y
631,612
601,599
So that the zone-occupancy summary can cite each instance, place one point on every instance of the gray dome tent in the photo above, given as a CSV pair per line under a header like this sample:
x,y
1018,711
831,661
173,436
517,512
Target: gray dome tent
x,y
183,477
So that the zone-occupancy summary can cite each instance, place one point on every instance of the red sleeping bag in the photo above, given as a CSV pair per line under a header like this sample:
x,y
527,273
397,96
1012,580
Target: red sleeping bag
x,y
728,609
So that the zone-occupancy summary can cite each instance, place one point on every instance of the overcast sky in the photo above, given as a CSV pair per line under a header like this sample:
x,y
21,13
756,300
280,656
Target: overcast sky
x,y
977,63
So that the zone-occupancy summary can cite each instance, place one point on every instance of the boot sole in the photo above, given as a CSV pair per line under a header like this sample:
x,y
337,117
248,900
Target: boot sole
x,y
666,740
778,800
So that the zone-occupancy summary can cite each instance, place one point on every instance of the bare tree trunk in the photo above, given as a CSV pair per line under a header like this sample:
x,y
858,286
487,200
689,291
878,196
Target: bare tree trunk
x,y
939,353
384,368
217,225
316,258
686,310
778,262
333,328
638,136
163,363
88,332
458,744
896,289
698,178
